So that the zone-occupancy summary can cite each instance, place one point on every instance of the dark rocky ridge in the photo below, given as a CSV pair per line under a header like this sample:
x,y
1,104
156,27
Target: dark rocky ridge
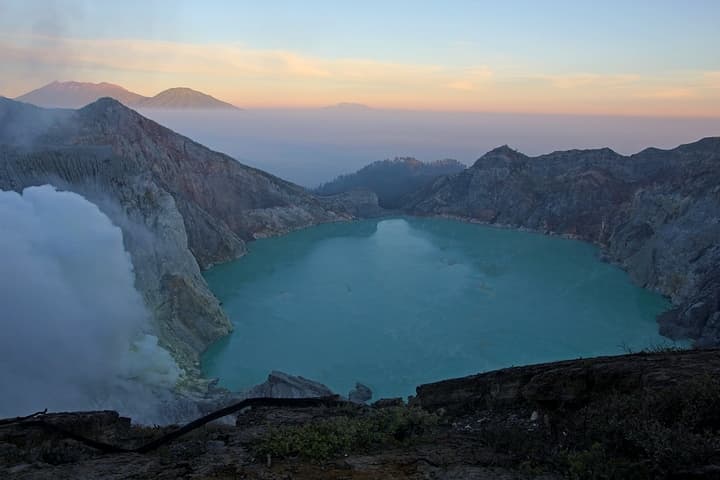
x,y
516,423
570,383
181,206
655,213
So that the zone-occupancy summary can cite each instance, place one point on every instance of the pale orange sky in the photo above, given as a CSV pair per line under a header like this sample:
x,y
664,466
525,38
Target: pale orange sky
x,y
576,59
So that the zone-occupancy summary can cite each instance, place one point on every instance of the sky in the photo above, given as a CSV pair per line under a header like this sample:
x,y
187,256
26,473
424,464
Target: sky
x,y
645,57
312,146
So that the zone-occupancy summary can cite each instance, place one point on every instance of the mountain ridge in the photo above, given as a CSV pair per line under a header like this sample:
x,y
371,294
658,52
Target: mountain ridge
x,y
181,206
185,98
391,180
74,95
655,213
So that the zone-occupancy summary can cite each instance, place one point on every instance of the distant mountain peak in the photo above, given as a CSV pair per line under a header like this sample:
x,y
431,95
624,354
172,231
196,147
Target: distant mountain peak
x,y
103,104
503,150
184,97
503,153
73,83
73,94
409,161
182,90
350,106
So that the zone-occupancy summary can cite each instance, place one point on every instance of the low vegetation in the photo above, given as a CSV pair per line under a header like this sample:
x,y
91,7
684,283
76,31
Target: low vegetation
x,y
673,433
647,435
328,438
670,433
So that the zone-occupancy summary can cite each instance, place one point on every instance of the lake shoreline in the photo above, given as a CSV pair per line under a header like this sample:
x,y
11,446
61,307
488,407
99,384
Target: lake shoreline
x,y
364,224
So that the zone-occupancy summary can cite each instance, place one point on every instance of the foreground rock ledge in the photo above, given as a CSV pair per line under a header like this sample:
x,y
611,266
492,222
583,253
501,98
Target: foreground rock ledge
x,y
525,404
570,383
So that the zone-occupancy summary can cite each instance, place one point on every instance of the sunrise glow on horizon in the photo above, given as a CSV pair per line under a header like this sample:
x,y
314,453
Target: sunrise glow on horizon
x,y
561,57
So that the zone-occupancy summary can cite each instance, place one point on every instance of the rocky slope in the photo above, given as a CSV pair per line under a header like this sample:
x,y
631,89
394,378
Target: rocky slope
x,y
655,213
181,206
391,180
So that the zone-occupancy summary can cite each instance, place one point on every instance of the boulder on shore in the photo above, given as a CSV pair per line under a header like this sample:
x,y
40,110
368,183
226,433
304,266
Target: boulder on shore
x,y
360,394
283,385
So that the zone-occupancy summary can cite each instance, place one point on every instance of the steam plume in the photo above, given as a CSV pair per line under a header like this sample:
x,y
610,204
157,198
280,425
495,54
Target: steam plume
x,y
75,331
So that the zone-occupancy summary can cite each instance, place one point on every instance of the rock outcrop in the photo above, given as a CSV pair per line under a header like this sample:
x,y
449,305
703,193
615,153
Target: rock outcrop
x,y
361,203
360,394
181,206
571,383
655,213
282,385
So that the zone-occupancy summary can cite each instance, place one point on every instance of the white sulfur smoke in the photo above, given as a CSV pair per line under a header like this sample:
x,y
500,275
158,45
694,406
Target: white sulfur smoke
x,y
73,328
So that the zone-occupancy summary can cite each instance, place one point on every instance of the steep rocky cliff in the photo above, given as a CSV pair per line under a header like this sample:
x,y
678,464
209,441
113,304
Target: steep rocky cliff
x,y
655,213
181,206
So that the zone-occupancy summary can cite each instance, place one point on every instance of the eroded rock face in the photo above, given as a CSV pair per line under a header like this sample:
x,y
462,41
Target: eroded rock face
x,y
181,206
656,213
360,203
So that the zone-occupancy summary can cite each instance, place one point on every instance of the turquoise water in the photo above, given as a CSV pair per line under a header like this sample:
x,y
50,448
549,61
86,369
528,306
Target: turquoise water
x,y
394,303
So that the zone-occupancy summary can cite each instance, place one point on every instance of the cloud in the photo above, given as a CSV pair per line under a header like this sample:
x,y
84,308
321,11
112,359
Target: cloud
x,y
589,80
75,330
253,77
472,78
465,85
227,60
219,61
679,93
711,79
